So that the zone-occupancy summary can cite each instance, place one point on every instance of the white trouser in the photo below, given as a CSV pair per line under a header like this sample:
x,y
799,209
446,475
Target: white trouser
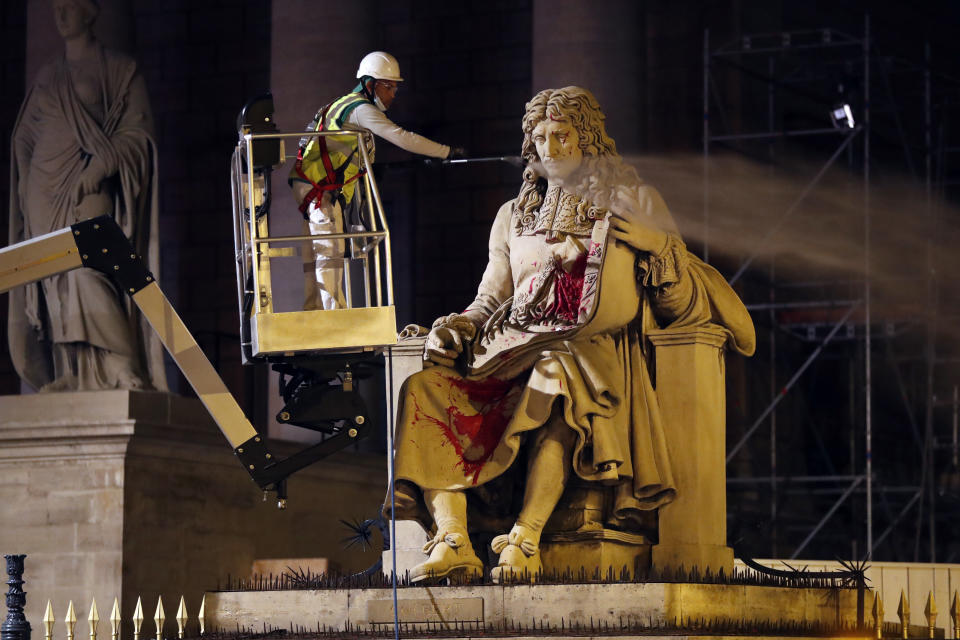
x,y
323,270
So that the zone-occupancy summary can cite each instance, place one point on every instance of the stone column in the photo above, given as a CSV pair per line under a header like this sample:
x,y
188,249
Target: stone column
x,y
599,47
315,48
690,388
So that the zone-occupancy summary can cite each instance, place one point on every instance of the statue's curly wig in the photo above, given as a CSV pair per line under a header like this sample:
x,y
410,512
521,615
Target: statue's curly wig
x,y
602,170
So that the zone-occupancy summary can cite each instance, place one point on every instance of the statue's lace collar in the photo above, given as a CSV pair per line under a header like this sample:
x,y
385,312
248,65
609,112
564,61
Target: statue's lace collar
x,y
561,212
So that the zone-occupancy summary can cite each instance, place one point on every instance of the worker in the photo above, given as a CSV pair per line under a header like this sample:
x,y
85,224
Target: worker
x,y
327,171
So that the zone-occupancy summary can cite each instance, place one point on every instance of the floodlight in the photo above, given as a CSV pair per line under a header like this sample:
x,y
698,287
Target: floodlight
x,y
842,116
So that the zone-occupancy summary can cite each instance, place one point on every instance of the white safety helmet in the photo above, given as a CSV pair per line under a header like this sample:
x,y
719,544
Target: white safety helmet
x,y
380,65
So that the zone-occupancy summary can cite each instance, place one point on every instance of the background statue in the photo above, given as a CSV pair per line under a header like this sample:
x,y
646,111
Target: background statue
x,y
82,147
547,373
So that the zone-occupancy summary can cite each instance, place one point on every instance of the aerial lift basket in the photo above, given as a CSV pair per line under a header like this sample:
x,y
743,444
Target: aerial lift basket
x,y
368,322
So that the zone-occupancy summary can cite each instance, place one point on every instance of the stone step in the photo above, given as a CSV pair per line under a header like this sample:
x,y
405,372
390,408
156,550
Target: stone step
x,y
622,609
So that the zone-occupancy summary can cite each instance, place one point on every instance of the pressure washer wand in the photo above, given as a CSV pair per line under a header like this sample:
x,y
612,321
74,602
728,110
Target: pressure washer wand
x,y
515,161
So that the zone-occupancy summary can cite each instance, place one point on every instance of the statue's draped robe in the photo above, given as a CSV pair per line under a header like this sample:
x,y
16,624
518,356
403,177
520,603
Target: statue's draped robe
x,y
77,323
559,353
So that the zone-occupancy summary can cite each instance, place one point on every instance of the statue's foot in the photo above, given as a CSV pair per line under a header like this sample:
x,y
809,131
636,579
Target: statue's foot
x,y
451,554
63,383
519,556
129,379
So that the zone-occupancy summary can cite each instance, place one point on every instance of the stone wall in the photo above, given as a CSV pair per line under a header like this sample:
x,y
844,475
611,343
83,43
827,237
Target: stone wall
x,y
136,494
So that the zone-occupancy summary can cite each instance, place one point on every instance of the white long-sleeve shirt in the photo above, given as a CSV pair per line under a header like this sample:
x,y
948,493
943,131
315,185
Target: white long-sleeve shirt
x,y
370,117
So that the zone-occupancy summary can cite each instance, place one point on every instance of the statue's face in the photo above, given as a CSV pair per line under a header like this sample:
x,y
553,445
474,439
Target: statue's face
x,y
71,18
558,146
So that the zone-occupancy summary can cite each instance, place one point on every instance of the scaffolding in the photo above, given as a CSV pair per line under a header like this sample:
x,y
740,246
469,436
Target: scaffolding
x,y
846,314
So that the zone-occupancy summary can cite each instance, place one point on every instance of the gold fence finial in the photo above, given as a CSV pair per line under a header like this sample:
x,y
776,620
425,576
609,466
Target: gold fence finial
x,y
877,615
71,620
181,617
93,619
115,619
158,617
202,614
48,622
137,619
955,613
903,611
930,612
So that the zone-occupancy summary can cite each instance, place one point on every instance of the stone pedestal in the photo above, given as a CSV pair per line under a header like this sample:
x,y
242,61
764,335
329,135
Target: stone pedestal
x,y
690,389
403,360
124,493
605,549
410,539
575,537
567,610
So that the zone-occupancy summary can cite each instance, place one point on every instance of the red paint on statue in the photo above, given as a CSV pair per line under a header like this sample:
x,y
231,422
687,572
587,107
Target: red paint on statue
x,y
475,437
568,290
483,430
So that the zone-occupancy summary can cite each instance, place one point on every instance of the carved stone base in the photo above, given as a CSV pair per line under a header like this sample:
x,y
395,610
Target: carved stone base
x,y
410,539
605,550
468,609
701,556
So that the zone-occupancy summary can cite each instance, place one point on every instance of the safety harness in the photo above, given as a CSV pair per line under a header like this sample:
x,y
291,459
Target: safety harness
x,y
333,178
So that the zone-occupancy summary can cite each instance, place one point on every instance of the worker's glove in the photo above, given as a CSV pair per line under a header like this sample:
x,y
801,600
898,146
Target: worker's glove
x,y
447,339
457,153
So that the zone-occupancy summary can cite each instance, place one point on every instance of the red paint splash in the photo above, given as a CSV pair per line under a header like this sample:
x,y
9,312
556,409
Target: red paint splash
x,y
568,290
474,437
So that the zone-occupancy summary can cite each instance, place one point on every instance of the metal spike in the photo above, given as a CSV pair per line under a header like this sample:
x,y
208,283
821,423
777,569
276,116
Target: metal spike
x,y
137,619
202,614
877,615
930,612
955,613
903,611
181,617
48,622
159,617
115,620
71,620
93,619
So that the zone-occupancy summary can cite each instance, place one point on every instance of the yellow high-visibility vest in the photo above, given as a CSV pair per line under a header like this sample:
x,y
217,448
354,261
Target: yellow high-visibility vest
x,y
342,149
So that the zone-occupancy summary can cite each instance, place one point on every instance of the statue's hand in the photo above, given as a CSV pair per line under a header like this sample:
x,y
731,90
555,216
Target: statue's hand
x,y
89,179
443,346
497,321
446,340
638,236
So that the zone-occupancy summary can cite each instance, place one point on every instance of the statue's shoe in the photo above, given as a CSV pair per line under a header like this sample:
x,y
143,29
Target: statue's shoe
x,y
519,556
451,554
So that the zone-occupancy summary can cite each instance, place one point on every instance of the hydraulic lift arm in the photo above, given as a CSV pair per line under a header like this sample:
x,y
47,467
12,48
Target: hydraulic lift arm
x,y
100,244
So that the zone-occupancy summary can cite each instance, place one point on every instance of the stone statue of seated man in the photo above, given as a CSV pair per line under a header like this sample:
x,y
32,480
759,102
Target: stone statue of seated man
x,y
545,377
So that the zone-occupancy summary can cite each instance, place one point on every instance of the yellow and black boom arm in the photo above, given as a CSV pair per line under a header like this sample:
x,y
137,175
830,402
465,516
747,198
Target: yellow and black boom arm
x,y
100,244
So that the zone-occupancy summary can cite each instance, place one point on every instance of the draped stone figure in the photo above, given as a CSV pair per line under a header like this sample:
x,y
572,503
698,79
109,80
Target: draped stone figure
x,y
82,147
546,376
